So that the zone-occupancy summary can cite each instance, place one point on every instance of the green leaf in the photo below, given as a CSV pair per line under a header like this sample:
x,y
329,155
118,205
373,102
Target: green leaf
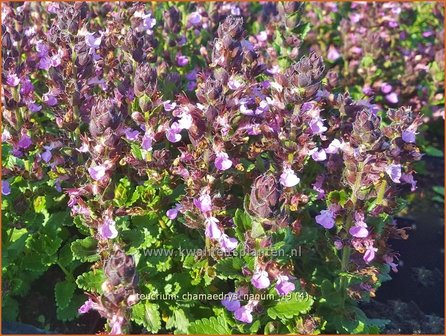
x,y
91,281
147,315
39,204
178,321
64,293
229,268
213,325
298,304
439,190
257,229
432,151
243,223
85,249
70,312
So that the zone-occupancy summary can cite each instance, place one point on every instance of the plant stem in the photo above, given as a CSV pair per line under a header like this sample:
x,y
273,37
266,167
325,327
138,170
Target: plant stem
x,y
346,250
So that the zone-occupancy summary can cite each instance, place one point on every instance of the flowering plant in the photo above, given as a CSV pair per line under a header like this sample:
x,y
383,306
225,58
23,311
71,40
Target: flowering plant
x,y
167,129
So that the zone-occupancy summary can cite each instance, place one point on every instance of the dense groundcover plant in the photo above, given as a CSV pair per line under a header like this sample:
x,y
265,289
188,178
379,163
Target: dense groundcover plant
x,y
156,151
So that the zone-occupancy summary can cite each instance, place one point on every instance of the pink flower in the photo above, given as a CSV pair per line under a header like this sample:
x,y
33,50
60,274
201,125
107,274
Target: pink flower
x,y
212,230
333,53
360,228
173,133
173,213
86,307
288,178
369,254
234,84
97,173
408,136
243,314
185,122
326,218
318,154
408,178
227,243
222,161
317,186
169,106
46,156
146,142
317,126
338,244
116,325
386,88
388,259
394,171
284,286
392,98
49,99
194,18
107,229
204,203
230,302
333,147
260,279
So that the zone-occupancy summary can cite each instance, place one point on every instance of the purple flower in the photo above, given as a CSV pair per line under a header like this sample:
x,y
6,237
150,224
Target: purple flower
x,y
317,126
333,147
173,133
317,186
408,178
212,230
260,279
204,203
284,286
131,134
409,136
394,171
86,307
146,142
6,188
230,302
191,86
93,42
33,107
12,80
182,60
24,142
326,218
169,106
333,53
147,22
222,161
392,98
234,84
116,325
46,156
194,18
26,86
388,259
227,243
318,154
49,99
107,229
338,244
386,88
97,173
173,213
243,314
288,178
359,231
186,121
369,254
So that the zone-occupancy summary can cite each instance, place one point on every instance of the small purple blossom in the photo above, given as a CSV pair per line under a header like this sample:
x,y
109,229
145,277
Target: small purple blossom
x,y
86,307
333,147
169,106
24,142
97,173
326,218
284,286
212,230
317,126
386,88
394,172
289,178
6,188
173,133
147,140
173,213
243,314
260,279
408,136
182,60
230,302
222,161
370,252
227,243
392,98
333,54
107,229
12,80
203,203
318,154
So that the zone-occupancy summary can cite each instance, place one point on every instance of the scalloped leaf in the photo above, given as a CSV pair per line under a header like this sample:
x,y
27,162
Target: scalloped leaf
x,y
147,315
91,281
287,309
64,293
213,325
